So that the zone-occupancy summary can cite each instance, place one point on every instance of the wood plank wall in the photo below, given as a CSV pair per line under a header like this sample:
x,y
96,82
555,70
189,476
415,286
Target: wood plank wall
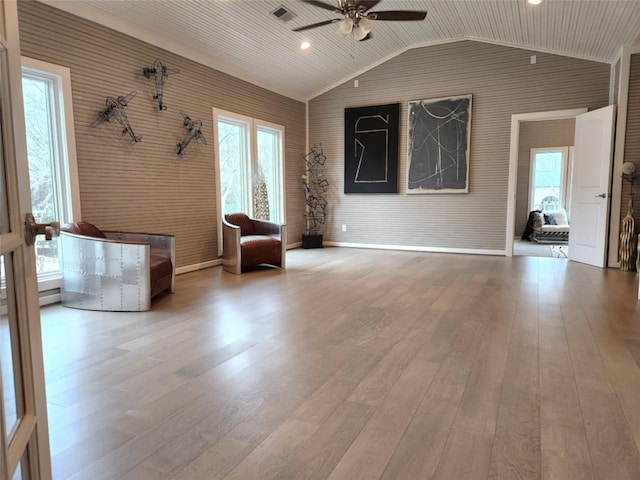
x,y
147,187
632,138
543,134
502,82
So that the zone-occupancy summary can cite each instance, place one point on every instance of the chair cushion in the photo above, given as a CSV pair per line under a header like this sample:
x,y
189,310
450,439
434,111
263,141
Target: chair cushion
x,y
257,249
83,228
160,272
243,221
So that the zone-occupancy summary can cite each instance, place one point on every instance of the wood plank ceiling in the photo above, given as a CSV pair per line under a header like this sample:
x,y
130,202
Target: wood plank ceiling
x,y
244,39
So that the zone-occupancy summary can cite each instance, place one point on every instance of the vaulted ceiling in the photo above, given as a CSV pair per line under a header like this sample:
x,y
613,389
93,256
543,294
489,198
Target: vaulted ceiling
x,y
244,39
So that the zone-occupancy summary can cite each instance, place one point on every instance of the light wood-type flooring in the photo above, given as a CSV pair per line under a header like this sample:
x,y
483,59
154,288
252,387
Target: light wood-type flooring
x,y
355,364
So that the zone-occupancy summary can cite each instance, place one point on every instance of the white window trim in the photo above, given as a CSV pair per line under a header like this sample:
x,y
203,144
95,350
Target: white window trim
x,y
66,141
563,179
254,124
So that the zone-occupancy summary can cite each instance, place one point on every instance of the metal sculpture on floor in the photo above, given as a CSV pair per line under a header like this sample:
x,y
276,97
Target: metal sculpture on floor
x,y
116,109
315,188
159,73
627,249
194,130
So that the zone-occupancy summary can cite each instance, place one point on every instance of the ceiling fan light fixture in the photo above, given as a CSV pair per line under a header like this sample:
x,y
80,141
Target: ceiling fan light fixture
x,y
363,28
345,26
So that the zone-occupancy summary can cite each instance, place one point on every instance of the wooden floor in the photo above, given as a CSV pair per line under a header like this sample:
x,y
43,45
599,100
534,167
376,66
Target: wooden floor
x,y
356,364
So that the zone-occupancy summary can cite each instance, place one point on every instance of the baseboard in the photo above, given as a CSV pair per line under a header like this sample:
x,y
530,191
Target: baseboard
x,y
291,246
216,262
49,299
198,266
465,251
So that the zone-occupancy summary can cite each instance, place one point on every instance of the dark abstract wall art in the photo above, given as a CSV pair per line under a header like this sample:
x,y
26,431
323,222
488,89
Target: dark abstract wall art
x,y
371,137
439,139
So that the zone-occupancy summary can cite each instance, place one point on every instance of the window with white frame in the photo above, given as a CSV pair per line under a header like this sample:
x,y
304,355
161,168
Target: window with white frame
x,y
250,164
51,155
548,179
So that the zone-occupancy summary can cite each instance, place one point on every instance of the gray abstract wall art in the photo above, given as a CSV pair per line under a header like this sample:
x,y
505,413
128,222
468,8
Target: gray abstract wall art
x,y
439,139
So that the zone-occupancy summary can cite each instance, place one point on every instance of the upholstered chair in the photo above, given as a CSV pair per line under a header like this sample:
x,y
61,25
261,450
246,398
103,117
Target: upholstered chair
x,y
249,242
114,271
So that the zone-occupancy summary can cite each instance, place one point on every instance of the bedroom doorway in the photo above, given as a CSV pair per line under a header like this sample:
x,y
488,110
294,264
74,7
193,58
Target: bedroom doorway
x,y
591,180
538,132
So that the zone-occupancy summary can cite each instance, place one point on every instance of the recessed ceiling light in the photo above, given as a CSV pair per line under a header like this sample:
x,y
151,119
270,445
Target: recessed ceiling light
x,y
535,2
304,45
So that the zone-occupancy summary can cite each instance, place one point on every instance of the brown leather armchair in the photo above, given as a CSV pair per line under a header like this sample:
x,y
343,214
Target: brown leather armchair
x,y
114,271
248,242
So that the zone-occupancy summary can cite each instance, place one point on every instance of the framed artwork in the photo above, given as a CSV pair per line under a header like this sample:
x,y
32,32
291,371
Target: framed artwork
x,y
439,139
371,136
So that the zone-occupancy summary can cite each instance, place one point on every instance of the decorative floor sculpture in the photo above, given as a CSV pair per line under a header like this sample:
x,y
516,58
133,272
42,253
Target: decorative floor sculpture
x,y
628,247
315,190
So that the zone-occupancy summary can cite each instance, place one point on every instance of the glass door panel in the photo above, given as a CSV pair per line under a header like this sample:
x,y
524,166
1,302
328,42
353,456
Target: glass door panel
x,y
234,156
43,174
12,391
4,213
269,146
23,417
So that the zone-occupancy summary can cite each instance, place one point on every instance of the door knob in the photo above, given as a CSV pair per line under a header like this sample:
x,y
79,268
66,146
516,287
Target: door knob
x,y
602,195
33,229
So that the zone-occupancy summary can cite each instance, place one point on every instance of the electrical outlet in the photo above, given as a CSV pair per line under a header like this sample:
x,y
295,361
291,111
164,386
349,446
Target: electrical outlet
x,y
344,227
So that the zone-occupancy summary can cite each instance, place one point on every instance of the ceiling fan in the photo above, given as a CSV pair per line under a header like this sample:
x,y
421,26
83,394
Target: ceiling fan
x,y
357,17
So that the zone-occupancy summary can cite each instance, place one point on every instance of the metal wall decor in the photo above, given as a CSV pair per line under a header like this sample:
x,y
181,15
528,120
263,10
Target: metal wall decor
x,y
159,73
315,190
116,110
194,130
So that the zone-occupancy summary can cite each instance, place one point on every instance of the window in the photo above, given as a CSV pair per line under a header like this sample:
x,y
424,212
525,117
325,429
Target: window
x,y
250,162
548,183
51,155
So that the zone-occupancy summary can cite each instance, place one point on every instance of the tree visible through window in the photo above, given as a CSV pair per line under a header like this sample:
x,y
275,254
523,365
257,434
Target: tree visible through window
x,y
249,159
40,147
51,156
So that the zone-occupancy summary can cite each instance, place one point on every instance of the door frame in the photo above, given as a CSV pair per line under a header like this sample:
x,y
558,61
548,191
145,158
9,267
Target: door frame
x,y
516,120
622,104
31,435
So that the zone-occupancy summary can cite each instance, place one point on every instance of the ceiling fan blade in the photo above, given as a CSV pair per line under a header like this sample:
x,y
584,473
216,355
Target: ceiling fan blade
x,y
367,4
314,25
397,15
326,6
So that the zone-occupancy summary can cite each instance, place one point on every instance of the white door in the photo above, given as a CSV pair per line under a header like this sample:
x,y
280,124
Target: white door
x,y
591,186
24,436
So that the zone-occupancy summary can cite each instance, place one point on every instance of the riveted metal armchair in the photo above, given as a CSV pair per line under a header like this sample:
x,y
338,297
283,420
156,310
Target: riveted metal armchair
x,y
114,271
247,242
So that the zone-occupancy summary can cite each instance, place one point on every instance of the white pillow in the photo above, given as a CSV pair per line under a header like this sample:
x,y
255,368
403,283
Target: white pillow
x,y
560,215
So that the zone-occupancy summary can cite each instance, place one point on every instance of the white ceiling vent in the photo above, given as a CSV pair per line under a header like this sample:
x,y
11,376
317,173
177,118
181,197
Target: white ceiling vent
x,y
283,14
